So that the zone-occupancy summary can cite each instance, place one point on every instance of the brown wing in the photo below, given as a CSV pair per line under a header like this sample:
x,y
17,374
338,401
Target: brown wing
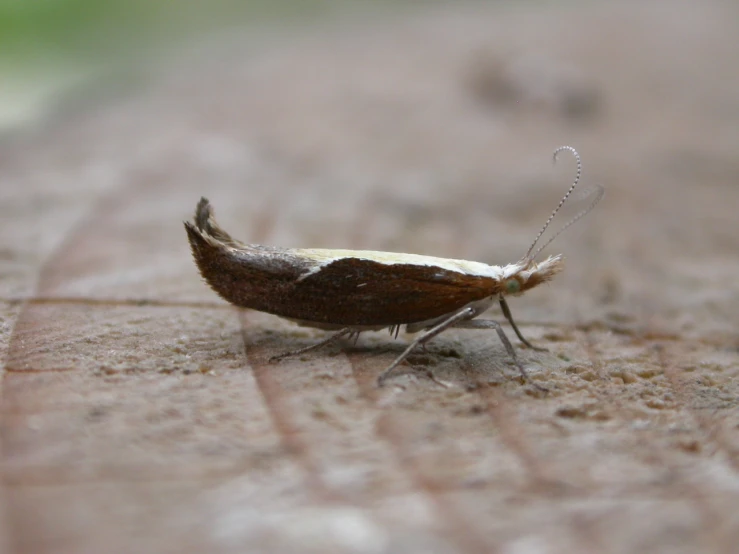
x,y
348,291
355,291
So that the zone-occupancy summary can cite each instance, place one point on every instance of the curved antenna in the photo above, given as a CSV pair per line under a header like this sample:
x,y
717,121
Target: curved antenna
x,y
599,192
579,215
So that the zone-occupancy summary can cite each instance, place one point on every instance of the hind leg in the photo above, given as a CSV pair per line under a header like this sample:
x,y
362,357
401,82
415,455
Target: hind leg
x,y
342,333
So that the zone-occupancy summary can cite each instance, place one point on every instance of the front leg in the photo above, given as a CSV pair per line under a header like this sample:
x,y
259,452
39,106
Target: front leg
x,y
507,313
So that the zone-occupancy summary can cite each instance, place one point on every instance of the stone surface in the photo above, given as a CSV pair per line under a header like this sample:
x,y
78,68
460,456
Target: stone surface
x,y
138,412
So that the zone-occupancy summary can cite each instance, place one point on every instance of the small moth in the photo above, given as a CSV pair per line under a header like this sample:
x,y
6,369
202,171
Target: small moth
x,y
351,291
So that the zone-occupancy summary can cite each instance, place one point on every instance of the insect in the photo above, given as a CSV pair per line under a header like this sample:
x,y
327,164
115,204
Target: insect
x,y
351,291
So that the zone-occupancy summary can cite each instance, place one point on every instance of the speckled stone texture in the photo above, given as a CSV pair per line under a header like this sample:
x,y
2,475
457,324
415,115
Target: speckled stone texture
x,y
138,412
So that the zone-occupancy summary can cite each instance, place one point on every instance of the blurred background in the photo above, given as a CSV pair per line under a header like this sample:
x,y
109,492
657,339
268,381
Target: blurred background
x,y
47,47
137,412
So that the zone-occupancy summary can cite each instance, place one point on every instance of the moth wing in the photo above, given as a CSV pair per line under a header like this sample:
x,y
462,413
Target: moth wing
x,y
358,291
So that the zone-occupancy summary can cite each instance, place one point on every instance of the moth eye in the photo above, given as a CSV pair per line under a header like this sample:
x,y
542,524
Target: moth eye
x,y
512,286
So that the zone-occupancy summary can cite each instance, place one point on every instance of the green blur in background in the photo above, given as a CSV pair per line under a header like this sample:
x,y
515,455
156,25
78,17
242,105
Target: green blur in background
x,y
48,47
91,29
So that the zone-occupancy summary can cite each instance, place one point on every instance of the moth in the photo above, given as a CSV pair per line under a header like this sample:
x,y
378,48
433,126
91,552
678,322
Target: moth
x,y
351,291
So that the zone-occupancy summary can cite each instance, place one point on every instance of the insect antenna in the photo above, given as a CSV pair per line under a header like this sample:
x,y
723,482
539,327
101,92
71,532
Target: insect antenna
x,y
598,191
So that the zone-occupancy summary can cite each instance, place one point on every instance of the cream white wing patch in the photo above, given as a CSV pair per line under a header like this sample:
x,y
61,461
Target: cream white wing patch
x,y
324,257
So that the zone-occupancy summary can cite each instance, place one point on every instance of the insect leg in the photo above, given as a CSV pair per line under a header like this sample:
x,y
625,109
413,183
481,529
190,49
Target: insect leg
x,y
490,324
324,342
509,317
424,338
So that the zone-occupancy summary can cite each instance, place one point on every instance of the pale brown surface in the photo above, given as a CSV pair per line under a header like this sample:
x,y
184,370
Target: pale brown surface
x,y
156,426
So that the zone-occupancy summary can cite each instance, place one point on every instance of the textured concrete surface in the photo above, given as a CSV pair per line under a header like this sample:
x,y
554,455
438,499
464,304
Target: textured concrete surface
x,y
138,413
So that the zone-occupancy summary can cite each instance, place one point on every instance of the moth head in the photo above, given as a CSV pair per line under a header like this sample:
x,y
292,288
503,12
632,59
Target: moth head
x,y
526,274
